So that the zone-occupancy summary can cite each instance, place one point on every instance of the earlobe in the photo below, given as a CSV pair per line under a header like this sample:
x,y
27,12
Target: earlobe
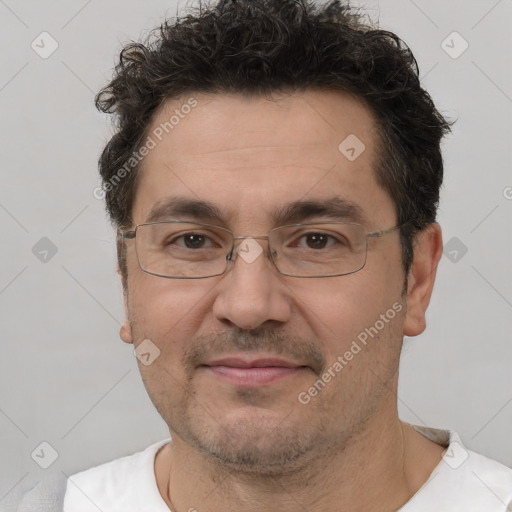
x,y
427,253
126,329
126,332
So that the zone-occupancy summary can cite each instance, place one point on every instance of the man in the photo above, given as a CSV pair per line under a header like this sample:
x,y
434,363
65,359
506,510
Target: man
x,y
274,181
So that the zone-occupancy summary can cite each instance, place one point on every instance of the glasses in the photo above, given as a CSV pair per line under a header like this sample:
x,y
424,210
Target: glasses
x,y
183,250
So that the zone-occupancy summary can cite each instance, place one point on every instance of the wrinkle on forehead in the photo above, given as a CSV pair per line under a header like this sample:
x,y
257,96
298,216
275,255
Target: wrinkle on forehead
x,y
257,157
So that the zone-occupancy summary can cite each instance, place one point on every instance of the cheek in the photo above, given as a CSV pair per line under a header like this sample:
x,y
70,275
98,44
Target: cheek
x,y
165,310
344,308
159,315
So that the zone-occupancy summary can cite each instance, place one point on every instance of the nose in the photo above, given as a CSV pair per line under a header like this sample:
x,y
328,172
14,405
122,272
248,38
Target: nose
x,y
251,292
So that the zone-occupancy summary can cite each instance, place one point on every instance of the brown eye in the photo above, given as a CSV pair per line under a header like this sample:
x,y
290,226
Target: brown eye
x,y
191,241
317,240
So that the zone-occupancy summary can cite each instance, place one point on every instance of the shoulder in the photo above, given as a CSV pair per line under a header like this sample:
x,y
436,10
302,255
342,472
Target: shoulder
x,y
472,477
46,496
463,480
117,485
483,472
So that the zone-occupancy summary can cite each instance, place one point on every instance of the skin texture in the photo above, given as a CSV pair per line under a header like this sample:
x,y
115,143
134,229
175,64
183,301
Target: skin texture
x,y
259,449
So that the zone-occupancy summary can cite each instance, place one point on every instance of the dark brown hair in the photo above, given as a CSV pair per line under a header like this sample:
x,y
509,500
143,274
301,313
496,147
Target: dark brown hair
x,y
258,47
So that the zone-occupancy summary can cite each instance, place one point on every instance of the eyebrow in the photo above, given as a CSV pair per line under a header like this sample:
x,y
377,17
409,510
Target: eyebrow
x,y
333,208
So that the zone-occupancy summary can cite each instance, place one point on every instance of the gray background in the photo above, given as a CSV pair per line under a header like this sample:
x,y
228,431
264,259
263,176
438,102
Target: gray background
x,y
67,379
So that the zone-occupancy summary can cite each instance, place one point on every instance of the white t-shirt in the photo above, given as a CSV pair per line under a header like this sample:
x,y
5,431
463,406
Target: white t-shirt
x,y
463,481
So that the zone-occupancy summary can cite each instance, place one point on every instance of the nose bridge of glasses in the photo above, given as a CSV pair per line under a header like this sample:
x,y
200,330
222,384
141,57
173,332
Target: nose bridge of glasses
x,y
248,251
250,236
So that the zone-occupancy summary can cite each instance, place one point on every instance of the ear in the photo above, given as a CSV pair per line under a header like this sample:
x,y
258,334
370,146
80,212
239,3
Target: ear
x,y
125,332
420,281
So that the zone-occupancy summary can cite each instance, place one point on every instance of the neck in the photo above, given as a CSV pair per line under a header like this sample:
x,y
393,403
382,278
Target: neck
x,y
380,467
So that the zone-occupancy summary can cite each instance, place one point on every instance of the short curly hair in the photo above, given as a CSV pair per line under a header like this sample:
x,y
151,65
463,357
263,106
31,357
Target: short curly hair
x,y
258,47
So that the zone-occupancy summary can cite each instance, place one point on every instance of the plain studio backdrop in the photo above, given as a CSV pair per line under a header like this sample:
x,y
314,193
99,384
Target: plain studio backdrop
x,y
66,379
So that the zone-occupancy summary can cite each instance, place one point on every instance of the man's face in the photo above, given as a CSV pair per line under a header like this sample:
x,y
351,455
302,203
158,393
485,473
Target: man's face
x,y
250,157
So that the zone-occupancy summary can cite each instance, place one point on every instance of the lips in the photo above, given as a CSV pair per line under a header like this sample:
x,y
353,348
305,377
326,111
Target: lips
x,y
235,362
253,372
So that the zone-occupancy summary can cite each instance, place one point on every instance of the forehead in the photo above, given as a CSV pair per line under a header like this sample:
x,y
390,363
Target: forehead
x,y
249,156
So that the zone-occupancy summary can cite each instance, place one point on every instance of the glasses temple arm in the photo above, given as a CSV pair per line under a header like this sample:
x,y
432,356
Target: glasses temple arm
x,y
126,234
384,231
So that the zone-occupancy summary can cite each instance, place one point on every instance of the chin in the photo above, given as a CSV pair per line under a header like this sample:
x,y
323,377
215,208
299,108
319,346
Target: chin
x,y
263,442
